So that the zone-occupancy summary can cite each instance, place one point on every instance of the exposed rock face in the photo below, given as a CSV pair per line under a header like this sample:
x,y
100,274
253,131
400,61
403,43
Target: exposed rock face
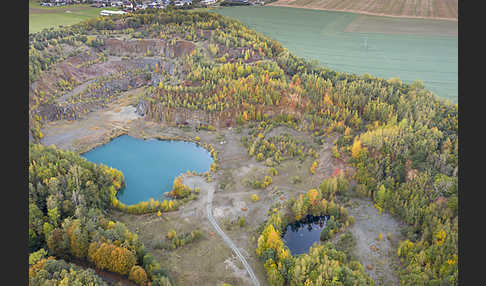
x,y
148,47
136,47
88,79
97,76
184,48
158,112
142,107
95,94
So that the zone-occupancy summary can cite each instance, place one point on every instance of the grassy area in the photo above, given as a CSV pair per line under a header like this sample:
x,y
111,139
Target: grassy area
x,y
35,4
384,47
46,17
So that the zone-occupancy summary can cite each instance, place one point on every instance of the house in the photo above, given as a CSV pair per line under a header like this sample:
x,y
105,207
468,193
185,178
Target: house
x,y
117,4
127,5
108,12
98,3
235,2
58,3
180,3
208,2
152,5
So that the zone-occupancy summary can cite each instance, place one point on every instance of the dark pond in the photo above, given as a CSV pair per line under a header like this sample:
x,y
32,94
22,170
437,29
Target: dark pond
x,y
149,166
301,235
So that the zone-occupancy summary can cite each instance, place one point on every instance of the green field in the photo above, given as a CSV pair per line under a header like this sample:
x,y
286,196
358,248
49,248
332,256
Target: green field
x,y
402,49
46,17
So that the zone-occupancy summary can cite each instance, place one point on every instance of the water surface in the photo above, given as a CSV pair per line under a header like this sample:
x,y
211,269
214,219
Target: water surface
x,y
149,166
301,235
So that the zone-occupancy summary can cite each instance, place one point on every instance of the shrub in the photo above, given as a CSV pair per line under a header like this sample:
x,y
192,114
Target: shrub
x,y
259,157
171,234
267,181
36,256
325,234
313,167
273,172
241,221
295,179
255,198
138,275
179,189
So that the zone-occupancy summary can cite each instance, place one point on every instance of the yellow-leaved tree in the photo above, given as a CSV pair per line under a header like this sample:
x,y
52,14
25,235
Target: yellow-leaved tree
x,y
138,275
356,149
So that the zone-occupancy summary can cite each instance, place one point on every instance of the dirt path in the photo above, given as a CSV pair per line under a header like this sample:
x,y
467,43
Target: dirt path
x,y
199,182
227,240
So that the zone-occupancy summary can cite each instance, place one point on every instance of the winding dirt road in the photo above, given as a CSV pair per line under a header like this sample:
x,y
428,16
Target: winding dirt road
x,y
226,239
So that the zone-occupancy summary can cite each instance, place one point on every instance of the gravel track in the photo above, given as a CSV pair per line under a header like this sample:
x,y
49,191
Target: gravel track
x,y
226,239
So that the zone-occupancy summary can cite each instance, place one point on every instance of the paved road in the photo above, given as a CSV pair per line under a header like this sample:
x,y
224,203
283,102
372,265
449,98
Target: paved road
x,y
226,239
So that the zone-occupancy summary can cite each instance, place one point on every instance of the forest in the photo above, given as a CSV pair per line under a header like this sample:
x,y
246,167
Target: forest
x,y
400,139
324,264
68,198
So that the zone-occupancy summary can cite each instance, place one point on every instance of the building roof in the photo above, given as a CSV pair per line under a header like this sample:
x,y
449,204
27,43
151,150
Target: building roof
x,y
109,12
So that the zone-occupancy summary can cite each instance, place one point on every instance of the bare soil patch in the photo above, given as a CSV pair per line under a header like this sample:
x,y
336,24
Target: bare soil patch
x,y
430,9
380,255
389,25
95,128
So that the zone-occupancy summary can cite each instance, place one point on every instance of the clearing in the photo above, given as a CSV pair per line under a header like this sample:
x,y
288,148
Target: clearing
x,y
370,250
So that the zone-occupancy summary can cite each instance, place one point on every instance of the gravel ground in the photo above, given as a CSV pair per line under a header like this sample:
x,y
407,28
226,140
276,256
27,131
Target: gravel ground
x,y
369,250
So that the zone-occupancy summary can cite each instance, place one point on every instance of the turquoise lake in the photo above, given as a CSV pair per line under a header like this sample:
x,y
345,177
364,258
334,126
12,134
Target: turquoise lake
x,y
149,166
